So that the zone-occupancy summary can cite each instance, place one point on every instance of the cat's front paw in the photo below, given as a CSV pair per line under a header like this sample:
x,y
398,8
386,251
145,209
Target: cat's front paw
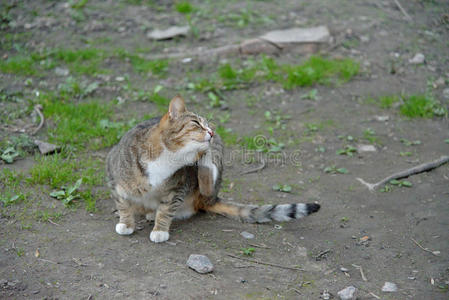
x,y
159,236
122,229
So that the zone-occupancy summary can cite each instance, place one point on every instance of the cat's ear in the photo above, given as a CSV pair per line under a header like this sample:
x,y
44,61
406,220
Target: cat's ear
x,y
176,108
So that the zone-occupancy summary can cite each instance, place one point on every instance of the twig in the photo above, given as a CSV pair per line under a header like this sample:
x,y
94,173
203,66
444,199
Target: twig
x,y
404,12
321,254
38,109
374,295
361,272
49,261
260,246
425,249
54,223
78,262
265,263
257,169
406,173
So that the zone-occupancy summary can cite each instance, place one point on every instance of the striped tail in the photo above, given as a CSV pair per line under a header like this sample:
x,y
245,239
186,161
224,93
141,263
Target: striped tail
x,y
265,213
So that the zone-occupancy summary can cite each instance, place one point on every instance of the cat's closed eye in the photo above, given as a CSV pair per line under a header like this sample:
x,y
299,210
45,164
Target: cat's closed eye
x,y
196,123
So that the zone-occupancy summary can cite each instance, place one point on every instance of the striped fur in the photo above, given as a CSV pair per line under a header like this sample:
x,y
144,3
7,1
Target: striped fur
x,y
170,168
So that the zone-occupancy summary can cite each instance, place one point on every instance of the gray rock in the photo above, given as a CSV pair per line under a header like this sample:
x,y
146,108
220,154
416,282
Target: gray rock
x,y
382,118
366,148
347,293
46,148
168,33
247,235
298,35
419,58
446,93
200,263
389,287
61,71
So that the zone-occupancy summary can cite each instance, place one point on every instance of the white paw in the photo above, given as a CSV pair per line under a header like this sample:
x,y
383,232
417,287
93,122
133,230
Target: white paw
x,y
159,236
122,229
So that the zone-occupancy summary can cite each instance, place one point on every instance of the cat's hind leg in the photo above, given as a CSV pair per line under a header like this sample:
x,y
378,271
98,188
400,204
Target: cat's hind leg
x,y
127,223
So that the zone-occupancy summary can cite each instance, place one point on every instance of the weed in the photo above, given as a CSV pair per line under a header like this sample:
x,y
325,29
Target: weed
x,y
422,106
388,101
18,65
248,251
334,170
410,143
405,153
370,135
311,95
401,183
9,154
347,150
184,7
67,194
282,188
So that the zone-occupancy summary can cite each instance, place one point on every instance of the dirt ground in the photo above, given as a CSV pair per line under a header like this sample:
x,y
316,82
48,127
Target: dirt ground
x,y
78,255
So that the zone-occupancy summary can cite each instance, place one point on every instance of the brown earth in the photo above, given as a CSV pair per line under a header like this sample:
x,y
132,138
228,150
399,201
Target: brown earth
x,y
81,257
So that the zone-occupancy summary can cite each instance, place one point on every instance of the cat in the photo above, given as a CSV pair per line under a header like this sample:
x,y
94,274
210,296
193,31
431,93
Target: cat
x,y
170,168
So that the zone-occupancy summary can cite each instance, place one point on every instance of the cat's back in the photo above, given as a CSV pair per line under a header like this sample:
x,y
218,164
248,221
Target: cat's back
x,y
123,159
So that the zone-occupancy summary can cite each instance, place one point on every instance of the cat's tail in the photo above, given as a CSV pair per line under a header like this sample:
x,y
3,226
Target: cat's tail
x,y
264,213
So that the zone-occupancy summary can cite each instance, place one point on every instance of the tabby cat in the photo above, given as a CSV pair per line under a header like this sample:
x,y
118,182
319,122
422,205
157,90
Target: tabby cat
x,y
170,168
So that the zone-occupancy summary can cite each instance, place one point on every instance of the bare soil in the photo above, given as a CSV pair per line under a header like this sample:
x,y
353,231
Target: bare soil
x,y
81,256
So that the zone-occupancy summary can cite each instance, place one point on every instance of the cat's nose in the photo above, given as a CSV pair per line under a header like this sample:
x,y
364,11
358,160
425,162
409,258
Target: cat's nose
x,y
210,132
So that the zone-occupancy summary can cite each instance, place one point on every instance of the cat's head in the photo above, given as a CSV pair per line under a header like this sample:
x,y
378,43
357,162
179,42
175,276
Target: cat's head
x,y
184,131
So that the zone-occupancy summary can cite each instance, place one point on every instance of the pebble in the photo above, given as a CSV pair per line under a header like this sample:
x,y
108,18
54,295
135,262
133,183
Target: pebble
x,y
61,71
347,293
382,118
344,269
200,263
366,148
247,235
389,287
446,93
419,58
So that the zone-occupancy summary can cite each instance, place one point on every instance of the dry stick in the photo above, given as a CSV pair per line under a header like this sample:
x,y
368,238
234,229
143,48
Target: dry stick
x,y
361,271
406,173
425,249
407,16
318,257
374,295
257,169
54,223
38,109
265,263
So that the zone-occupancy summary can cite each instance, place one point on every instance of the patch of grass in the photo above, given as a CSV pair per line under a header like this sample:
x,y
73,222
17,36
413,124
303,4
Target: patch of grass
x,y
388,101
21,65
319,70
422,106
142,65
226,134
11,192
370,135
184,7
82,124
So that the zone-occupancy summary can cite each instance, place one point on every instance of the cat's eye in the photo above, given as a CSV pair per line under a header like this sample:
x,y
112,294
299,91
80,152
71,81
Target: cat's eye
x,y
196,122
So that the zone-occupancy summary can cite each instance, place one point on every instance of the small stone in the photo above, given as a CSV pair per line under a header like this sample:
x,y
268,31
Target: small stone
x,y
247,235
46,148
344,269
439,82
382,118
61,71
419,58
364,39
366,148
347,293
389,287
120,78
168,33
200,263
446,93
325,295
